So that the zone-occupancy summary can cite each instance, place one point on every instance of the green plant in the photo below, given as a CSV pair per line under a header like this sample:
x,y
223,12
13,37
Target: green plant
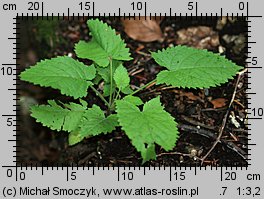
x,y
186,68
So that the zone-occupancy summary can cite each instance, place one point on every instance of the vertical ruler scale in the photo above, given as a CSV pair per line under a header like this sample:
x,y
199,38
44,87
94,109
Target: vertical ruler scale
x,y
9,75
71,180
16,98
249,72
255,64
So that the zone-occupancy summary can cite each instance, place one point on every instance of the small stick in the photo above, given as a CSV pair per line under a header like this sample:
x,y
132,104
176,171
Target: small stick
x,y
211,135
179,153
218,139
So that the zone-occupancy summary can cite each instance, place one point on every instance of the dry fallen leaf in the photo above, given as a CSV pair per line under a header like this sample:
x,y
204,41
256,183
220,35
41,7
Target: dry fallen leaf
x,y
144,30
201,37
219,102
190,96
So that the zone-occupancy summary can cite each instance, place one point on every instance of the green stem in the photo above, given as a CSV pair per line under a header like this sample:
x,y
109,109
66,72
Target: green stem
x,y
112,106
101,96
143,87
118,92
111,83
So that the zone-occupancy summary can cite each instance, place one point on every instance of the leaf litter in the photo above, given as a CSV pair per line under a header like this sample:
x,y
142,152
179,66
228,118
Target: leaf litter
x,y
143,30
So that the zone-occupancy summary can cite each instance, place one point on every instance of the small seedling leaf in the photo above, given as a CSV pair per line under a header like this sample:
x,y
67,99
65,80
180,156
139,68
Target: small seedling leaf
x,y
152,125
121,77
193,68
127,90
94,122
133,100
64,73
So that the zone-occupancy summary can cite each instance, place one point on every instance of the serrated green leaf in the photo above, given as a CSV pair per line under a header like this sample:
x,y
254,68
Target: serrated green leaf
x,y
104,46
121,77
152,125
149,153
57,117
127,90
64,73
133,100
94,122
193,68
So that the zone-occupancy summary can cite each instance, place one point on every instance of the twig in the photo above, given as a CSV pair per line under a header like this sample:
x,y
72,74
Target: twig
x,y
179,153
142,53
218,139
197,123
207,134
211,135
135,71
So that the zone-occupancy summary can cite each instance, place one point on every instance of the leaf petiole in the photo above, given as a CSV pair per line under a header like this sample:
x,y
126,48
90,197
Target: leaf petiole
x,y
117,95
101,96
112,106
111,82
145,86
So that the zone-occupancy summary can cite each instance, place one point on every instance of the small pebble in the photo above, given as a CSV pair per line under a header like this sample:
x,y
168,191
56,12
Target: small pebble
x,y
206,92
221,49
193,152
240,84
181,159
234,121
